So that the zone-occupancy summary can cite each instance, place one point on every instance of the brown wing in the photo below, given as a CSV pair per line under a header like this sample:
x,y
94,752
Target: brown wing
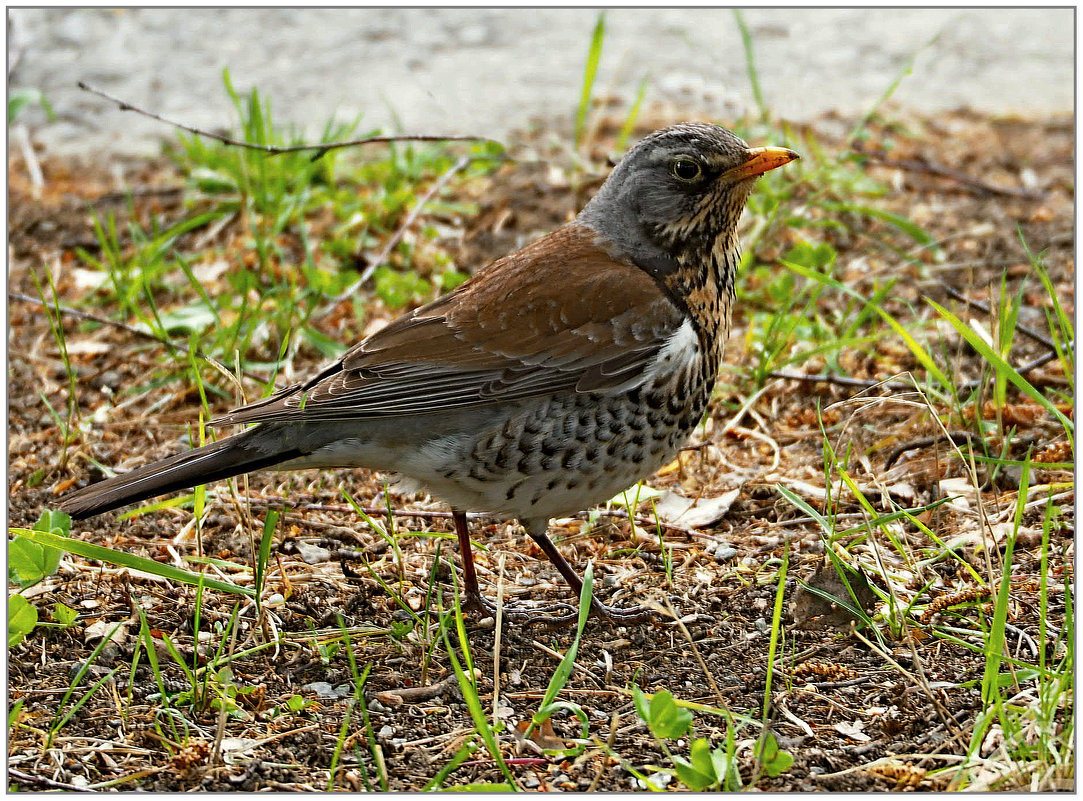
x,y
558,315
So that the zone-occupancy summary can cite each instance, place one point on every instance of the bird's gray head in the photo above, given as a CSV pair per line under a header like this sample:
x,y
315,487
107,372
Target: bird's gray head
x,y
678,191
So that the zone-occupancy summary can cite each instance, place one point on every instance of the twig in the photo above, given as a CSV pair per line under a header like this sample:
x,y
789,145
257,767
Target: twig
x,y
559,657
263,503
895,386
320,149
841,380
956,437
831,685
1034,365
138,191
47,782
280,503
438,184
68,310
1041,339
915,165
412,695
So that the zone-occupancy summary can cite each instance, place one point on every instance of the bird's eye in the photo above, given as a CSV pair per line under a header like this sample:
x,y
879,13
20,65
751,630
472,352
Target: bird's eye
x,y
685,169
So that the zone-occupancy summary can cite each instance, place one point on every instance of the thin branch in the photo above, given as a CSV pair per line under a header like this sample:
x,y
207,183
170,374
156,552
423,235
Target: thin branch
x,y
68,310
956,437
895,386
438,184
44,781
1041,339
278,503
274,150
1041,360
916,165
841,380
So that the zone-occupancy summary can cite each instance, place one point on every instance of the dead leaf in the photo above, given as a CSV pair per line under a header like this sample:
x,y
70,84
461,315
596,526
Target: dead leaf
x,y
852,729
543,735
678,510
100,629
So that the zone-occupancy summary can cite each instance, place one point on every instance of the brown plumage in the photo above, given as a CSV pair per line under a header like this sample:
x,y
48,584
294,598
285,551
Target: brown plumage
x,y
555,378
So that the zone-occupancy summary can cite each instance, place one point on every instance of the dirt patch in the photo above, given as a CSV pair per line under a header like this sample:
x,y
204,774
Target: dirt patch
x,y
839,703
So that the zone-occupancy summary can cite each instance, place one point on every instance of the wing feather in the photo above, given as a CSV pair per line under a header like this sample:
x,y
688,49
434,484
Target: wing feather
x,y
559,315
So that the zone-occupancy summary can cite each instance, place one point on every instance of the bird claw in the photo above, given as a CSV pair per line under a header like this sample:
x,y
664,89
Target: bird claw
x,y
634,614
554,615
546,615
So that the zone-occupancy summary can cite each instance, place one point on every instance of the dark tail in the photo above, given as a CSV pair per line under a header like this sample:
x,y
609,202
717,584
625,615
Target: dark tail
x,y
255,449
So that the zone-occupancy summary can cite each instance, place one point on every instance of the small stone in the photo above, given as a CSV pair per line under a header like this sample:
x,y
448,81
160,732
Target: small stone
x,y
323,689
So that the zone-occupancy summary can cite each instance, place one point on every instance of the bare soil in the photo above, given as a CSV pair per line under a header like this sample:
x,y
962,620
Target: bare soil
x,y
716,655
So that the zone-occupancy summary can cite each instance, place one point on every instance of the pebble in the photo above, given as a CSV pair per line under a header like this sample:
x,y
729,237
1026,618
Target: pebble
x,y
724,552
323,689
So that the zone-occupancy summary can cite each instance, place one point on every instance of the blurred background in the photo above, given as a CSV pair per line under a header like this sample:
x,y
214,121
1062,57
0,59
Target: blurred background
x,y
494,71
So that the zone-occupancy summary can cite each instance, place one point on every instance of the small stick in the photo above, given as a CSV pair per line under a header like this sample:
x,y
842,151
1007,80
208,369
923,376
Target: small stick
x,y
68,310
1041,339
956,437
274,150
44,781
413,695
841,380
915,165
399,234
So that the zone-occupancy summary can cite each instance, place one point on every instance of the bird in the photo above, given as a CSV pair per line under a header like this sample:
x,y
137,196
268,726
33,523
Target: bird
x,y
550,381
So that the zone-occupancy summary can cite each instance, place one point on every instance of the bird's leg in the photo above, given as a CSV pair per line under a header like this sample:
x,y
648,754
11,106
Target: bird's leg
x,y
470,575
636,614
475,599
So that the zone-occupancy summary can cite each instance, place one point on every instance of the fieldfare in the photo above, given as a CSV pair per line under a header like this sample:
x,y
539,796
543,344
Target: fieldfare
x,y
553,379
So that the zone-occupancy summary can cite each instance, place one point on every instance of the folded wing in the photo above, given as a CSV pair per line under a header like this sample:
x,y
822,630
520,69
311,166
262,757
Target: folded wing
x,y
560,315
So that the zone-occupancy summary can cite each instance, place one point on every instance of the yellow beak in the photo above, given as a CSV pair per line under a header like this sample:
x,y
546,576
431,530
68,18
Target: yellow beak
x,y
760,160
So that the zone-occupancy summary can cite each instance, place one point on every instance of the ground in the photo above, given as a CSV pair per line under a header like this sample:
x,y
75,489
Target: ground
x,y
856,711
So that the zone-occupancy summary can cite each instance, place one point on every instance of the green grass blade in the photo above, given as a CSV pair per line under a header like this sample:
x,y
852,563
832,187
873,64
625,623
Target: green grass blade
x,y
470,693
1000,365
911,229
593,57
633,115
776,625
567,664
750,64
920,353
265,550
123,559
468,749
995,643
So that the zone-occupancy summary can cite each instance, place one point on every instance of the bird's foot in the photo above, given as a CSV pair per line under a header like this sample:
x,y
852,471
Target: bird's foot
x,y
633,614
559,614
